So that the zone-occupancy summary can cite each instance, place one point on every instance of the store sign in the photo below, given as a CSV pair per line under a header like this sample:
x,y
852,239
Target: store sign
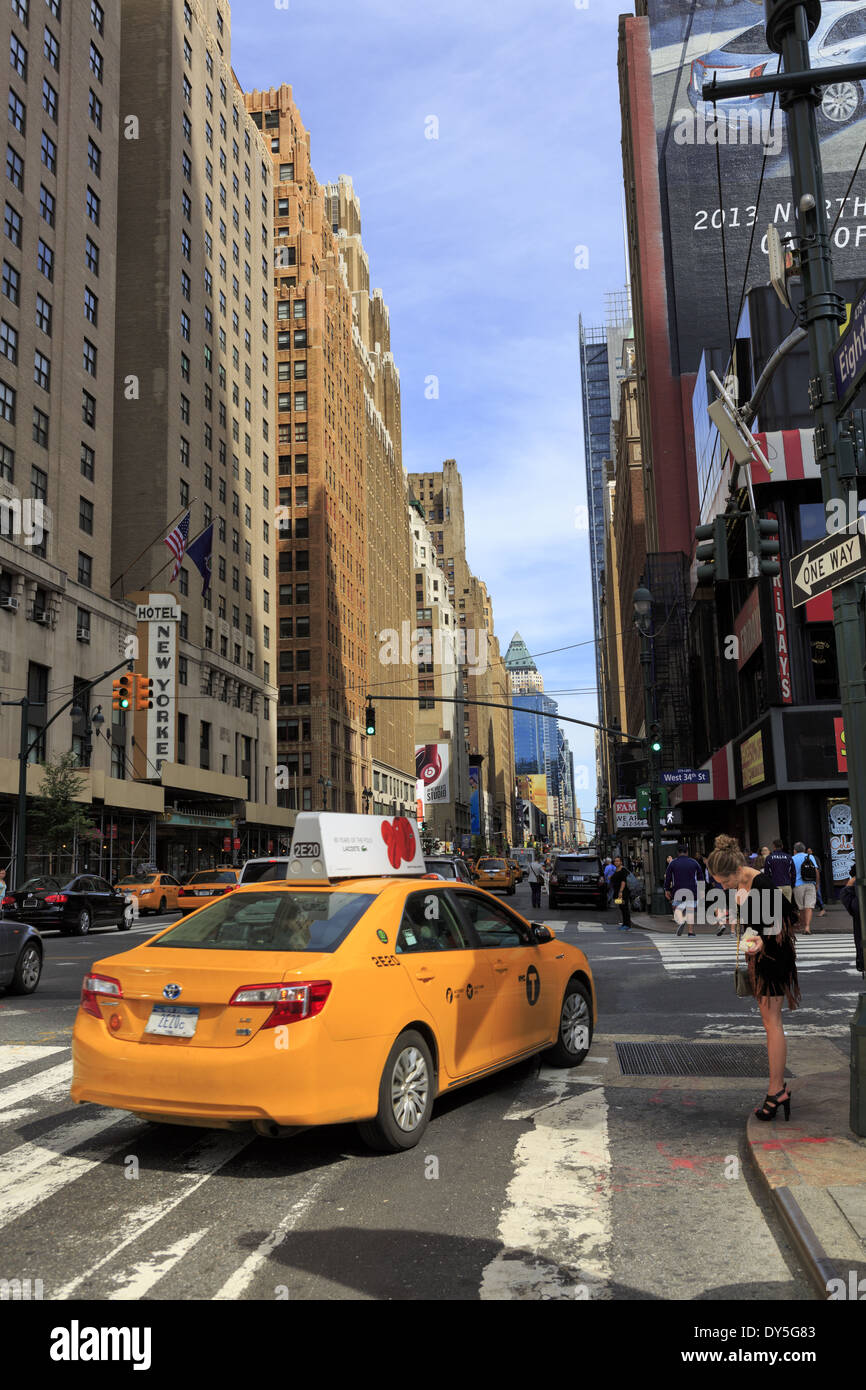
x,y
163,617
747,627
841,840
431,770
752,761
841,750
783,655
626,816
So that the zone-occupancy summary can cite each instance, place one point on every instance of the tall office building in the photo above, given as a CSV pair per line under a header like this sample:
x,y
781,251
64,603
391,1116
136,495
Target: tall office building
x,y
390,597
487,733
58,626
525,675
194,411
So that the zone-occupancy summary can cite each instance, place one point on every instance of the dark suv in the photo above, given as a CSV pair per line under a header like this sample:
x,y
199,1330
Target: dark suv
x,y
577,877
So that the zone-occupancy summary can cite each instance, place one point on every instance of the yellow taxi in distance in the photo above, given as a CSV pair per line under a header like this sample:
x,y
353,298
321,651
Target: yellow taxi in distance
x,y
355,990
155,892
495,873
517,870
205,886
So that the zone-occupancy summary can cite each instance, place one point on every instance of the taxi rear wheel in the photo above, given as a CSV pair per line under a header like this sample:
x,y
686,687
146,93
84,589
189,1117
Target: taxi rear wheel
x,y
405,1097
575,1027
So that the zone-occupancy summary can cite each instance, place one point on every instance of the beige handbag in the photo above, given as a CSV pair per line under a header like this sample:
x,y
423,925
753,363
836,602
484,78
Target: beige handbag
x,y
742,982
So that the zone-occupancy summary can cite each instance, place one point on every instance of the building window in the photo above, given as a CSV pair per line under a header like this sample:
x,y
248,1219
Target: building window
x,y
85,515
38,484
91,307
87,461
42,371
14,168
18,56
92,205
40,428
49,153
12,225
89,357
85,569
45,259
8,341
97,16
95,109
43,315
49,100
51,49
88,409
11,283
91,256
94,158
7,403
47,205
18,111
20,9
7,463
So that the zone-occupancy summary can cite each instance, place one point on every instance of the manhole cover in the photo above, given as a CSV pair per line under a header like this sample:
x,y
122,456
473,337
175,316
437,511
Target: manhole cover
x,y
692,1059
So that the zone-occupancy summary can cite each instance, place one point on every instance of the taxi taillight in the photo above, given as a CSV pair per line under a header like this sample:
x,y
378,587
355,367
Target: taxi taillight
x,y
289,1003
96,987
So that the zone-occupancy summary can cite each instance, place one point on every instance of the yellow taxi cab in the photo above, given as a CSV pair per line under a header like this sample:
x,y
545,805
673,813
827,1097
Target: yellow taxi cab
x,y
495,873
155,892
517,870
206,886
355,990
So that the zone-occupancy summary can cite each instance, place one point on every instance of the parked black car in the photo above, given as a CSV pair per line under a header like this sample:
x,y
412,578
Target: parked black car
x,y
74,906
20,957
578,877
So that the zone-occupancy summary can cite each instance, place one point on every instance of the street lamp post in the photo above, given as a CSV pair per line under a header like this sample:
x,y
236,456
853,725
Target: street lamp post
x,y
643,602
367,795
325,783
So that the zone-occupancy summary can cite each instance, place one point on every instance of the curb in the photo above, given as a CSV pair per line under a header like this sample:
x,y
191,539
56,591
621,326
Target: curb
x,y
819,1266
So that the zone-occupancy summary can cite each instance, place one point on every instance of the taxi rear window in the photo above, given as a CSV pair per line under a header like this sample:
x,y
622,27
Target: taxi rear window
x,y
290,921
213,876
491,865
265,870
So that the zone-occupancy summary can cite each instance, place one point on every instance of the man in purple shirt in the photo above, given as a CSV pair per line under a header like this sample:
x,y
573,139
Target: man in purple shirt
x,y
780,867
682,877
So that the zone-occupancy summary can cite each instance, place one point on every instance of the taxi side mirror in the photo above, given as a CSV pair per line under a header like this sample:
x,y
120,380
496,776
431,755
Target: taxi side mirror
x,y
541,933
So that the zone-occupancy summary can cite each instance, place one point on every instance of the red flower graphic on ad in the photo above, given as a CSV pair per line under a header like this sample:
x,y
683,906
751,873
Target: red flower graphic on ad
x,y
400,839
428,764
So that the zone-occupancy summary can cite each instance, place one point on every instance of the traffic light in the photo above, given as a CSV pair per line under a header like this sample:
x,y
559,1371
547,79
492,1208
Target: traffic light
x,y
371,720
762,546
655,739
143,692
712,552
121,693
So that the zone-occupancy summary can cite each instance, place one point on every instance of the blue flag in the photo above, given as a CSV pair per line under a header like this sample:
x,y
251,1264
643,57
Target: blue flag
x,y
199,551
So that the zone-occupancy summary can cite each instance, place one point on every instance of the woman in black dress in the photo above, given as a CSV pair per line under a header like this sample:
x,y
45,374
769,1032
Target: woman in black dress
x,y
773,965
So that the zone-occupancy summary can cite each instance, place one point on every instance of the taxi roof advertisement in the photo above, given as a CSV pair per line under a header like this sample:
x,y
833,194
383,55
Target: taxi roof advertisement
x,y
689,43
328,844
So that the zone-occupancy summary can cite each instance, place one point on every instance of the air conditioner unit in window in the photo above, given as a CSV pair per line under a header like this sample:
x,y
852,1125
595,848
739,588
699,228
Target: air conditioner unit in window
x,y
83,634
40,615
7,601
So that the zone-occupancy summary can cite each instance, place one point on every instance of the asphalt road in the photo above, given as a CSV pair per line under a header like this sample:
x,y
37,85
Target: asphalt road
x,y
535,1184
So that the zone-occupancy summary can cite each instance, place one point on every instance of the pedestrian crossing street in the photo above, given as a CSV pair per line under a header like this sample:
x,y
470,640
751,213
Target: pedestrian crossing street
x,y
684,955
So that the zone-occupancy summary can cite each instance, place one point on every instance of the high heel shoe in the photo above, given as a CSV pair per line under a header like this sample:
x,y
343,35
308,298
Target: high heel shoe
x,y
771,1105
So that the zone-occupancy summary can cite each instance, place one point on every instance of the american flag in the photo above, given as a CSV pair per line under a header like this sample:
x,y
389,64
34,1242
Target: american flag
x,y
176,542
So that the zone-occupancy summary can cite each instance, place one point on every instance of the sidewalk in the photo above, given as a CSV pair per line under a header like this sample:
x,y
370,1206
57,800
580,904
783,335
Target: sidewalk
x,y
836,922
813,1167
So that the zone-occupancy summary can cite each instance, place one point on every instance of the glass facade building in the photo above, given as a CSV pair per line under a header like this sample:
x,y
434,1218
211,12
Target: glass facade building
x,y
595,395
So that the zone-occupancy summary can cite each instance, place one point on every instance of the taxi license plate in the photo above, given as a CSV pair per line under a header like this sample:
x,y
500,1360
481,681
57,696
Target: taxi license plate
x,y
172,1021
202,892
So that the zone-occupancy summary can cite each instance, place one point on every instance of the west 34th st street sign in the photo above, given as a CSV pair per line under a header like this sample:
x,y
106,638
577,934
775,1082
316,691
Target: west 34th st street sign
x,y
828,563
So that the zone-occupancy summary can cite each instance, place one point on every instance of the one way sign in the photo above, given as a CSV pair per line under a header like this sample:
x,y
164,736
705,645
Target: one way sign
x,y
829,563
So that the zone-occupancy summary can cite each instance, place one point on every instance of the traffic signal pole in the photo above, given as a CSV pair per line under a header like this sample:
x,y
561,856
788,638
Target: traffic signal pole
x,y
790,25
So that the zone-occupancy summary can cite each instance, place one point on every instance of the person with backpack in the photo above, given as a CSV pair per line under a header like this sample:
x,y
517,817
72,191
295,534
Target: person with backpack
x,y
609,872
848,899
536,879
819,900
805,884
780,866
681,881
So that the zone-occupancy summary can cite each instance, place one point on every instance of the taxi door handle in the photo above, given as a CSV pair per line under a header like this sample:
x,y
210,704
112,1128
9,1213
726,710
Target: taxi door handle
x,y
500,968
425,979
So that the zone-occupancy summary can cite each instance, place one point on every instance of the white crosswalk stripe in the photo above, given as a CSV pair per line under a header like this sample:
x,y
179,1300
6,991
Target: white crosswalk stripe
x,y
683,955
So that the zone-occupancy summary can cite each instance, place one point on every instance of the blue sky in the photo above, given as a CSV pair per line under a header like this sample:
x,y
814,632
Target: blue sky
x,y
472,238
